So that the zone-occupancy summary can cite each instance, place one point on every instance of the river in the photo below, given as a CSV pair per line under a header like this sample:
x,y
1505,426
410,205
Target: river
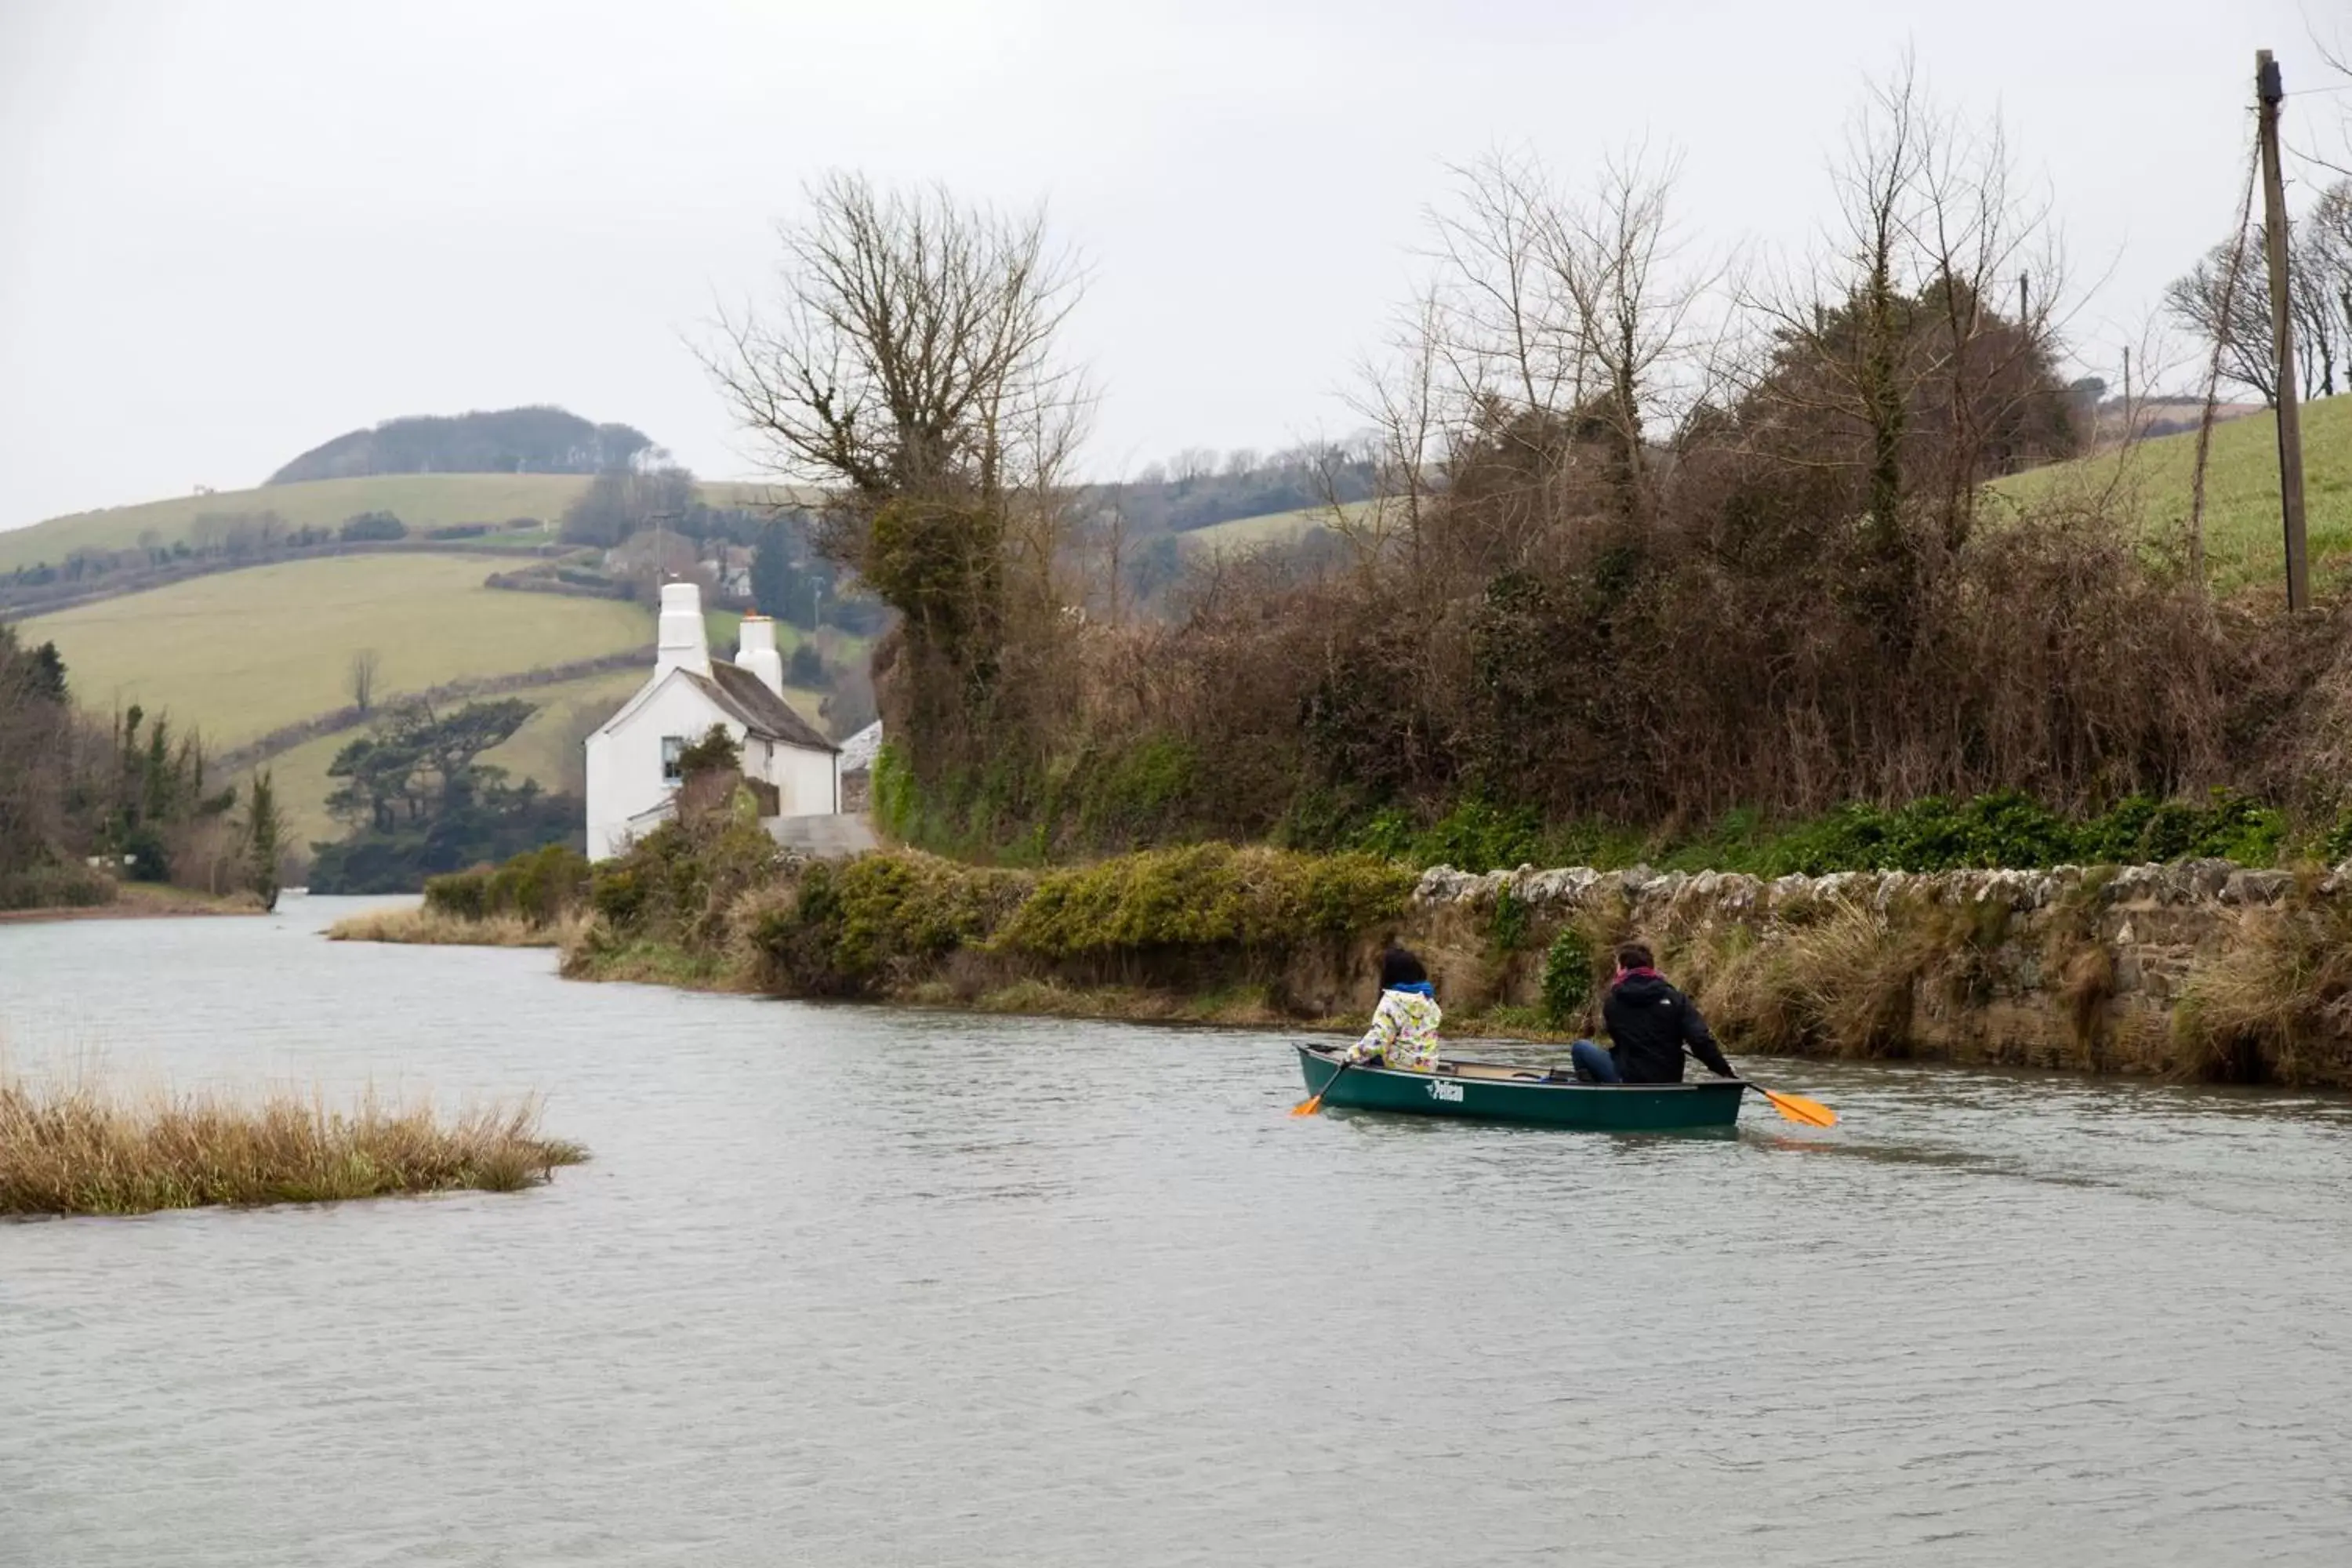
x,y
855,1286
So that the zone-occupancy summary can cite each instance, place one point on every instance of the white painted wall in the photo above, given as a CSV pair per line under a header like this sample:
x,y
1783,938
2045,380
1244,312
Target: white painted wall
x,y
805,781
625,763
625,759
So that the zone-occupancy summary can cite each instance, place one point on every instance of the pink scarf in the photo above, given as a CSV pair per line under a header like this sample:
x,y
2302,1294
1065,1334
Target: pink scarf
x,y
1623,976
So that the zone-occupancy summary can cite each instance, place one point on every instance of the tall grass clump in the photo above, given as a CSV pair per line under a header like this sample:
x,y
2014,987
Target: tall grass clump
x,y
82,1148
1844,980
2273,1003
430,927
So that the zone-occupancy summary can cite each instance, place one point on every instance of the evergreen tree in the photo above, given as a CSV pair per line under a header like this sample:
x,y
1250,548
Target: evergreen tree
x,y
771,572
261,840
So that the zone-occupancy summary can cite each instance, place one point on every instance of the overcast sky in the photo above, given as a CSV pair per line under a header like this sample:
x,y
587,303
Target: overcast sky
x,y
231,231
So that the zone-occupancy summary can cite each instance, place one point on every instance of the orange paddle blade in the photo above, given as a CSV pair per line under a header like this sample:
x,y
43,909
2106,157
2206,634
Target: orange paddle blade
x,y
1308,1107
1797,1108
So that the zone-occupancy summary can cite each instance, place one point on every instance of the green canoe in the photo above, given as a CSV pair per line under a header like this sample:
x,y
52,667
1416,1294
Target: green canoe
x,y
1493,1092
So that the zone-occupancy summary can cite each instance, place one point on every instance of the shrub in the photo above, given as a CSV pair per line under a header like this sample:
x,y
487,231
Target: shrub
x,y
1206,895
1137,794
464,894
1567,977
618,891
55,887
715,751
146,856
805,667
847,928
1509,926
369,525
539,887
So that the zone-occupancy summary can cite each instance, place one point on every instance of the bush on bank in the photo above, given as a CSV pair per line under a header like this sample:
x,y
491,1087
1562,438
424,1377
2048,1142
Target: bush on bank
x,y
2004,830
539,886
893,919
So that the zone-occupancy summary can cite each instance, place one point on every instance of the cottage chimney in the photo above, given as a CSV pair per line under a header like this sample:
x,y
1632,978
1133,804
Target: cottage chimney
x,y
681,644
756,651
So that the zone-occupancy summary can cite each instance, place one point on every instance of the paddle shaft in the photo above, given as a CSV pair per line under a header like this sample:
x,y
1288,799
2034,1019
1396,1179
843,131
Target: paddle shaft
x,y
1314,1102
1345,1063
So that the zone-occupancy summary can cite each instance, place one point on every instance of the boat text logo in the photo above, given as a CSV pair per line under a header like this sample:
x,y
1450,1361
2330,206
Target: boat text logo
x,y
1439,1089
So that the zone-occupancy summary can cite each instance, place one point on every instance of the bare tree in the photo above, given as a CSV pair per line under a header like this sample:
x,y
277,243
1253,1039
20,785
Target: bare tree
x,y
1555,328
1192,463
361,678
2220,302
909,363
911,349
1899,360
1631,321
2312,301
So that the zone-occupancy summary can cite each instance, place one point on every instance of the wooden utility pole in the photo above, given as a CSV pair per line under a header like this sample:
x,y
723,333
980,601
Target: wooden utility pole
x,y
2267,94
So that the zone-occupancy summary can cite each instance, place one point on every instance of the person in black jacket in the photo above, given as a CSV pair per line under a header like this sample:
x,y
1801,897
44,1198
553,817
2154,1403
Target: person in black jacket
x,y
1649,1022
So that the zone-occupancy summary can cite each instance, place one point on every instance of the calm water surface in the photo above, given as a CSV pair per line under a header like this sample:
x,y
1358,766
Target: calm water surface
x,y
854,1285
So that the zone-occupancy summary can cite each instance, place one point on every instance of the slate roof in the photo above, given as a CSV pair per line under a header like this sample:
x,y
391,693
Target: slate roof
x,y
742,696
859,750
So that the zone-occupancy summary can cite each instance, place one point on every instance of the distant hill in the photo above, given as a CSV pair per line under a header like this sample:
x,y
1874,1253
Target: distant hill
x,y
507,441
421,500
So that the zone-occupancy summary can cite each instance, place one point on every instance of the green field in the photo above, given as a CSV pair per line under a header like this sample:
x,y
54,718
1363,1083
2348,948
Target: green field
x,y
241,653
420,500
2244,543
1276,527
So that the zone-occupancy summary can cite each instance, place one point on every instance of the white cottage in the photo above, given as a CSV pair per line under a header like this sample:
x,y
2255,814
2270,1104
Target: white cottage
x,y
633,760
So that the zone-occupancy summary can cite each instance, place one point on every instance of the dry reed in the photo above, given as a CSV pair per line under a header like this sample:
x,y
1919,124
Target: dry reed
x,y
1844,980
83,1147
433,927
2272,1001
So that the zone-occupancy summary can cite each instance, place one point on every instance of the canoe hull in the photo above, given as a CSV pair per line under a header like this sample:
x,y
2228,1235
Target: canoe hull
x,y
1593,1107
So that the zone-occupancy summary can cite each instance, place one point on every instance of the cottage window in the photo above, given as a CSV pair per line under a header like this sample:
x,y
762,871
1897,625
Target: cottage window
x,y
673,749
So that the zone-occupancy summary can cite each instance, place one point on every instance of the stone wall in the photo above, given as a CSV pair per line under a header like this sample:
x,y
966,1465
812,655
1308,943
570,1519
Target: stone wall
x,y
2082,968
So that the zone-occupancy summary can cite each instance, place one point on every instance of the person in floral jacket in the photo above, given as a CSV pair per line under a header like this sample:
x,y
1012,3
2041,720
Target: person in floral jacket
x,y
1404,1025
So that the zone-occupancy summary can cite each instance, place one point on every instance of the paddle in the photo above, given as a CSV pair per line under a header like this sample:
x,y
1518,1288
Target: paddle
x,y
1314,1102
1795,1107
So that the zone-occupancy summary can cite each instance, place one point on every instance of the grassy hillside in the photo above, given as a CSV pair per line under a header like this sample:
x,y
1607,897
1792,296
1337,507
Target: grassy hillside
x,y
244,652
420,500
1278,528
2242,542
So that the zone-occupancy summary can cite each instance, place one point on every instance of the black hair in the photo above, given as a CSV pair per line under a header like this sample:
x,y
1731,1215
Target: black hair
x,y
1636,955
1399,967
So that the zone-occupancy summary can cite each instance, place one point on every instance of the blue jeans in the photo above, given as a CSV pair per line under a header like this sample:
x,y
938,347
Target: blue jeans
x,y
1593,1065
